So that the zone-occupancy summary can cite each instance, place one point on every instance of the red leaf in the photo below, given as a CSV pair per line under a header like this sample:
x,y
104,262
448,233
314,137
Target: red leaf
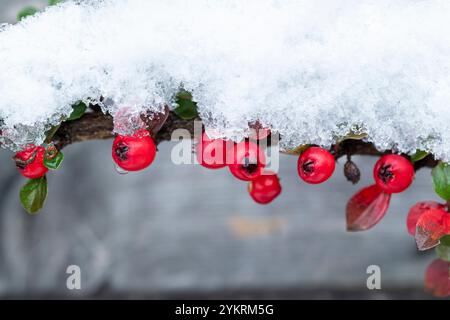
x,y
437,278
155,121
366,208
417,210
431,226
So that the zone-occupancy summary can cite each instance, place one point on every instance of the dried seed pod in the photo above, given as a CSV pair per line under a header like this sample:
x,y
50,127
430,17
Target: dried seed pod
x,y
351,171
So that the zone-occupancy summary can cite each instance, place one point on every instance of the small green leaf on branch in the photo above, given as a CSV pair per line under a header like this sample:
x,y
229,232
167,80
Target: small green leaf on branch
x,y
53,2
186,108
419,155
441,180
33,195
53,158
443,249
25,12
78,111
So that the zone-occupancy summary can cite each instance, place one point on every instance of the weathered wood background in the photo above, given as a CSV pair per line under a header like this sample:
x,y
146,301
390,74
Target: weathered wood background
x,y
184,231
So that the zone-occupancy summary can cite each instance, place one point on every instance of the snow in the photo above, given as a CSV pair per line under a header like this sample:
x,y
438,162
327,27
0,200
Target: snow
x,y
311,70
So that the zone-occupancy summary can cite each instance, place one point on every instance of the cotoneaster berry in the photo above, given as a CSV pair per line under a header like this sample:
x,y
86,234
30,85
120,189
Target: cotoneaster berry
x,y
417,210
315,165
134,153
437,280
211,153
393,173
30,162
248,161
265,188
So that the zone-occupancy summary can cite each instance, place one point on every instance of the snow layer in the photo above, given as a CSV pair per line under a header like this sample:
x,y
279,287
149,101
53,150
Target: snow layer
x,y
311,69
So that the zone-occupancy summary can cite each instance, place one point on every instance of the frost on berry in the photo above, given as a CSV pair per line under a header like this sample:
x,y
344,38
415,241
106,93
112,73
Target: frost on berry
x,y
127,121
431,226
437,278
366,208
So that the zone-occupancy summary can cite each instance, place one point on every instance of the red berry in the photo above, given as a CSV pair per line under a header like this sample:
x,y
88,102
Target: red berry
x,y
417,210
265,188
437,278
315,165
248,161
30,162
134,153
211,153
393,173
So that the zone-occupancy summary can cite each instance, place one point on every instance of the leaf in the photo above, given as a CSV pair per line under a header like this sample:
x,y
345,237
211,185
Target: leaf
x,y
353,136
441,180
155,121
443,249
298,150
78,111
50,133
430,227
416,211
419,155
187,109
25,12
33,194
53,2
55,162
366,208
437,278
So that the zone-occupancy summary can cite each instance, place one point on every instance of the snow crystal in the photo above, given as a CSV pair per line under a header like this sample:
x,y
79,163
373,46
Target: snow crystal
x,y
311,70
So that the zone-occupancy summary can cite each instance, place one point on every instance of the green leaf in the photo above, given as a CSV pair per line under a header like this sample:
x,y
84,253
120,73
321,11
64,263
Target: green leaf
x,y
354,136
25,12
55,162
298,150
441,180
50,133
443,249
33,194
187,109
53,2
78,111
419,155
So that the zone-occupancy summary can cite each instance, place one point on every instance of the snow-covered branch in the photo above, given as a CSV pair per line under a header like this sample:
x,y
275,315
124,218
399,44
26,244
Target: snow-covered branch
x,y
96,125
311,70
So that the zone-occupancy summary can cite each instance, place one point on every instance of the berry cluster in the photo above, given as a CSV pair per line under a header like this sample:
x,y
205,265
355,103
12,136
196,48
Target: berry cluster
x,y
245,160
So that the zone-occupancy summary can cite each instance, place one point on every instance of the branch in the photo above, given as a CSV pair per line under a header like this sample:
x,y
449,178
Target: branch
x,y
96,125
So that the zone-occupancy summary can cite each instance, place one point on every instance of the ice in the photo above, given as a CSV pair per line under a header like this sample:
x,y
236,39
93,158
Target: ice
x,y
311,70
